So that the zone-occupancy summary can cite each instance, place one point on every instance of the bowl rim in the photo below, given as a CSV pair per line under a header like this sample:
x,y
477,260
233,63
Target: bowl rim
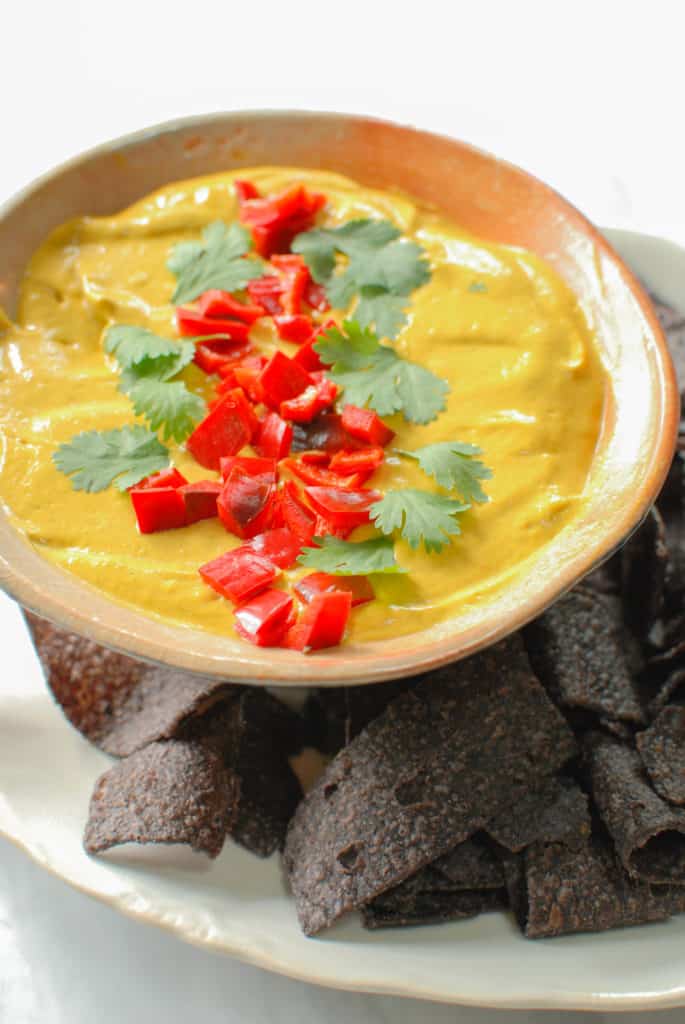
x,y
148,638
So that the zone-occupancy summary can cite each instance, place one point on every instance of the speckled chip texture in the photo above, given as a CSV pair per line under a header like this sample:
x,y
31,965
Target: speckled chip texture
x,y
557,811
116,702
472,864
662,749
580,651
648,833
169,792
565,890
423,777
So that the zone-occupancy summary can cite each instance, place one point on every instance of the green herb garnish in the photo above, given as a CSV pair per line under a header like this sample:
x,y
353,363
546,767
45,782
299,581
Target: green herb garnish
x,y
215,262
95,459
420,516
350,558
454,466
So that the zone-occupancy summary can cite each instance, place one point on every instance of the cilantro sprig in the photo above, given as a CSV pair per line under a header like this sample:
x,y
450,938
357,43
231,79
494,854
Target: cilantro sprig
x,y
454,466
148,364
215,262
95,459
420,516
374,375
381,270
351,558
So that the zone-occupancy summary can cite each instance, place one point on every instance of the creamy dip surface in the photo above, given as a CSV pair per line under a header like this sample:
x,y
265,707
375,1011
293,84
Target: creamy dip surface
x,y
527,387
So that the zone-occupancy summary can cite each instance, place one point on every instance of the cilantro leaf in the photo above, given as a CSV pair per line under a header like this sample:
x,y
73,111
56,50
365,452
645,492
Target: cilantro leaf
x,y
167,405
381,270
95,459
142,355
374,375
215,262
351,558
455,467
419,515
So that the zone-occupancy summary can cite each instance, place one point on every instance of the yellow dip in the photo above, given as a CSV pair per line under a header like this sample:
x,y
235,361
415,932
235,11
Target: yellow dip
x,y
526,386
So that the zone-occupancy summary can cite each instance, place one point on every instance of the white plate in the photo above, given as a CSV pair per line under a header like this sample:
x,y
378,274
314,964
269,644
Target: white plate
x,y
239,904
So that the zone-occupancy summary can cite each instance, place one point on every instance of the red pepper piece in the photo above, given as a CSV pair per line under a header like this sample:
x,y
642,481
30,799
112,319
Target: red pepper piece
x,y
315,458
307,358
315,296
365,461
366,425
158,508
321,476
247,376
227,382
249,465
200,500
213,356
271,209
304,408
325,433
325,528
266,291
218,303
246,503
321,582
282,379
224,431
245,190
322,623
294,514
234,358
280,546
239,574
192,324
296,277
274,437
295,327
342,508
165,478
277,219
265,619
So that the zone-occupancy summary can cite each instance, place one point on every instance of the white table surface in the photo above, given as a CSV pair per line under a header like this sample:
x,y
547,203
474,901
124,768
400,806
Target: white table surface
x,y
587,96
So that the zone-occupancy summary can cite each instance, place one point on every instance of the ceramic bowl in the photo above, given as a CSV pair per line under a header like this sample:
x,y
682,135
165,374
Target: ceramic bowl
x,y
487,196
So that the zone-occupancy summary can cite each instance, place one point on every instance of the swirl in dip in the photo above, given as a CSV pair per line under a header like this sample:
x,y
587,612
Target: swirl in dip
x,y
526,386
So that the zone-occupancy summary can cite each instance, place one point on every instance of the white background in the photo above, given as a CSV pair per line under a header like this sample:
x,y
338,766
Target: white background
x,y
587,95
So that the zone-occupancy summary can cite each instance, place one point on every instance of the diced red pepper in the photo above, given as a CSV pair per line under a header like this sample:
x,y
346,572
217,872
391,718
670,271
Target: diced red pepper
x,y
237,356
245,190
282,379
365,461
246,504
322,623
200,500
296,277
280,546
249,465
214,356
277,219
326,528
224,431
307,358
315,296
310,402
266,291
218,303
294,514
247,376
322,476
321,582
158,508
295,327
325,433
239,574
227,382
265,619
342,508
165,478
366,425
269,210
192,324
274,437
315,458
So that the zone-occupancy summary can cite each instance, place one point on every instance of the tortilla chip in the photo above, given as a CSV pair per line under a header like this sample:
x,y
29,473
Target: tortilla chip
x,y
555,812
578,648
472,864
116,702
337,714
566,890
644,562
649,834
423,777
169,792
662,749
425,908
671,691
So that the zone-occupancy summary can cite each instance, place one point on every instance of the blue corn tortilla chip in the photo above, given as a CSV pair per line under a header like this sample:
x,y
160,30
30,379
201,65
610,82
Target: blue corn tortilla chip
x,y
557,811
423,777
425,908
662,749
